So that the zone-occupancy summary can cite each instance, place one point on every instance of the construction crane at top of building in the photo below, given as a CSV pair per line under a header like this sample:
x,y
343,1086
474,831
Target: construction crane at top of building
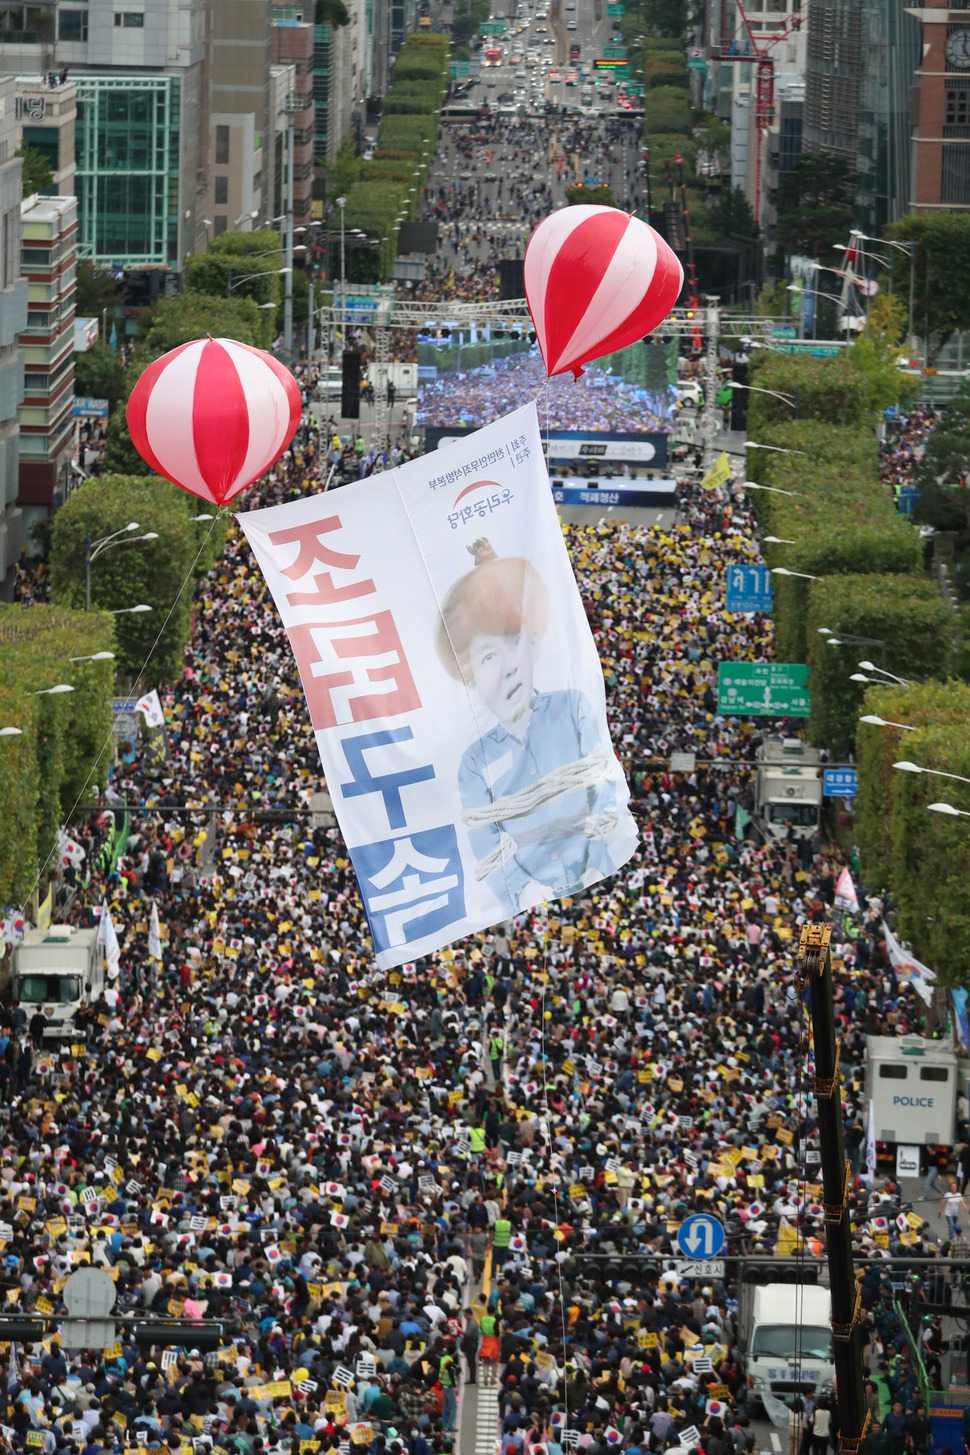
x,y
746,47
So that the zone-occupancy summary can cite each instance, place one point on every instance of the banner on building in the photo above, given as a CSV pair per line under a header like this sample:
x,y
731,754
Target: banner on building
x,y
453,686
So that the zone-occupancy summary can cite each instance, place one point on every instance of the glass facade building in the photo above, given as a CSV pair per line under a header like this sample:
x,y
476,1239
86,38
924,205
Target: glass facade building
x,y
128,130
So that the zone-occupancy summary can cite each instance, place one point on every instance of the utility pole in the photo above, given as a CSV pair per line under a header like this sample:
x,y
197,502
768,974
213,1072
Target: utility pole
x,y
288,275
709,421
816,966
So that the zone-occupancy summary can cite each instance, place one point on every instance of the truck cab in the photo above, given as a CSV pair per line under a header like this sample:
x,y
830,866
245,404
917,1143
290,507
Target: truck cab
x,y
787,1338
789,788
56,971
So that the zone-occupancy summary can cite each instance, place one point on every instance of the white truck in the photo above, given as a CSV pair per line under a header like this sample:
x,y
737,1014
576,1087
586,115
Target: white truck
x,y
912,1084
786,1336
56,971
789,788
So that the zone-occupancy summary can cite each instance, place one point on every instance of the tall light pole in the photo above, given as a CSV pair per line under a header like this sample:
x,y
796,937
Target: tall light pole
x,y
288,283
342,203
94,549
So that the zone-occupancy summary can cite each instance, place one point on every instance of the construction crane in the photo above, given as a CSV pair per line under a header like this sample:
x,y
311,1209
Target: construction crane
x,y
745,47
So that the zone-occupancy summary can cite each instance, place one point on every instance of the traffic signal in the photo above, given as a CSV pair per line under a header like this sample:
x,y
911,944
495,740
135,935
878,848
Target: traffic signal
x,y
180,1335
350,385
804,1272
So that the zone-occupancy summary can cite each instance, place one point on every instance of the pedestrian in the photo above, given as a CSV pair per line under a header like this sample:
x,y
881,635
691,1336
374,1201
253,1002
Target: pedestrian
x,y
471,1340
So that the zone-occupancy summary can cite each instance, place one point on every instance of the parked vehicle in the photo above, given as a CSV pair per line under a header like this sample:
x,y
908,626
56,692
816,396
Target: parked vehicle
x,y
56,971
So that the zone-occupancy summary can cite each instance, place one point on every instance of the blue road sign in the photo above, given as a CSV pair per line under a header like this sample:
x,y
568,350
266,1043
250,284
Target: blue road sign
x,y
748,588
700,1236
840,783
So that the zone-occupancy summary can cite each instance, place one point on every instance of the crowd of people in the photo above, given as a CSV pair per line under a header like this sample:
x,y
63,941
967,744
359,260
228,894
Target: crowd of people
x,y
261,1128
596,402
901,451
382,1184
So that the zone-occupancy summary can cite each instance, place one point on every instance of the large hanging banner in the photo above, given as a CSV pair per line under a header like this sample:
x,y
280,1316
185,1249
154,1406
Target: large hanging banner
x,y
453,686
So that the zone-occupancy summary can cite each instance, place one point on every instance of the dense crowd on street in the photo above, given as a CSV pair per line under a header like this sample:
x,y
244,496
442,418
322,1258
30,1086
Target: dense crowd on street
x,y
262,1129
595,402
901,451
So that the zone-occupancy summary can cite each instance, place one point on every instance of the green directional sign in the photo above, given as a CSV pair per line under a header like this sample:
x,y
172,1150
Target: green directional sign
x,y
461,70
616,9
763,689
615,52
492,27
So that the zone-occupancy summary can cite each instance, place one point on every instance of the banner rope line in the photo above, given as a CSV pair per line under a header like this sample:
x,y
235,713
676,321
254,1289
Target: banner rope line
x,y
134,693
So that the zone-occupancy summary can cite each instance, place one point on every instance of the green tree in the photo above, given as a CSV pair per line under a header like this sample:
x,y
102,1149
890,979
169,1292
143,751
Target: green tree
x,y
331,12
171,322
731,215
37,175
63,751
97,291
98,373
875,351
941,274
816,205
155,572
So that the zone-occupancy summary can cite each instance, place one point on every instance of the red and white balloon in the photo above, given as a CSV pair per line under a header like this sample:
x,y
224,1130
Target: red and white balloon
x,y
596,280
213,415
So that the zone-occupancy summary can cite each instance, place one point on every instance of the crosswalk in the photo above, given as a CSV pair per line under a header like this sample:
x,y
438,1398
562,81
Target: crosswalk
x,y
487,1421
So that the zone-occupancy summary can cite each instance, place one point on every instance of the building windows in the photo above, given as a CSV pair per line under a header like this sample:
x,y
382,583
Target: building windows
x,y
130,20
220,225
956,116
72,25
222,146
221,195
956,175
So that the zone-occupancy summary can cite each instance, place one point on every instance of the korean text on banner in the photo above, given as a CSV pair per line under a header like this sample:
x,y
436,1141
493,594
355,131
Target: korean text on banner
x,y
453,686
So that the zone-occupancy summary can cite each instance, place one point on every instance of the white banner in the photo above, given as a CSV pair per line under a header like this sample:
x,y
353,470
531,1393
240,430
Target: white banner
x,y
453,686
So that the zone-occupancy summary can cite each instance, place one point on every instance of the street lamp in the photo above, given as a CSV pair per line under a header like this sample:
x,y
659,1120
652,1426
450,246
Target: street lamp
x,y
909,248
94,549
130,610
205,515
948,808
96,657
775,449
11,732
875,721
771,489
56,691
871,667
784,571
778,541
756,389
906,767
232,282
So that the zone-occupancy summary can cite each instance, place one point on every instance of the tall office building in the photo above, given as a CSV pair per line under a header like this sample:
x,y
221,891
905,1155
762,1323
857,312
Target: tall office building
x,y
48,262
292,48
142,123
833,77
884,148
941,135
46,113
240,126
13,318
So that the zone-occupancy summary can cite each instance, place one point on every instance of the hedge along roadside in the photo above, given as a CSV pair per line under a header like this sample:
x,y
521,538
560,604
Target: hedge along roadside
x,y
904,612
154,572
59,754
940,704
840,517
409,124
